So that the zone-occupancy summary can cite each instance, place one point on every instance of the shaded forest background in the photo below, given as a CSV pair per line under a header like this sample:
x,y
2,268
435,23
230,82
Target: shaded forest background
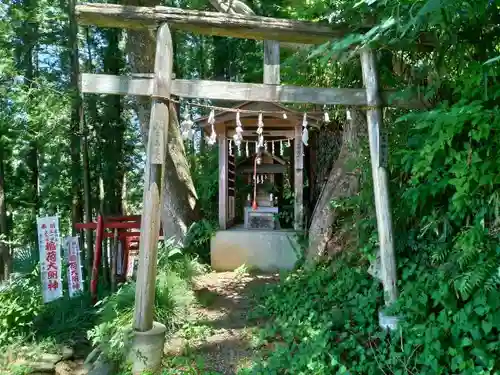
x,y
74,156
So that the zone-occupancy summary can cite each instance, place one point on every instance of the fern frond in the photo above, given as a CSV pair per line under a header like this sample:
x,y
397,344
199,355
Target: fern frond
x,y
440,255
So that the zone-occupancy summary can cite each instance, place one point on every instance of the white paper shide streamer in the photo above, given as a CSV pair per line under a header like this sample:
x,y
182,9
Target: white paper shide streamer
x,y
305,132
260,130
187,131
213,136
238,136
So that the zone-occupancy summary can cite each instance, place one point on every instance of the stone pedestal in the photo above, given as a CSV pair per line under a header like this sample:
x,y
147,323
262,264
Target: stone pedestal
x,y
146,351
264,249
388,322
261,218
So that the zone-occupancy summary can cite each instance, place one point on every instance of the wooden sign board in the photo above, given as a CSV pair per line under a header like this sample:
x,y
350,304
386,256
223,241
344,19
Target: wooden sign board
x,y
383,147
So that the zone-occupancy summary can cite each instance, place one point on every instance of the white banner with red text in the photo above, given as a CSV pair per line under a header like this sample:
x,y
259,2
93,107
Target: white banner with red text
x,y
73,260
50,257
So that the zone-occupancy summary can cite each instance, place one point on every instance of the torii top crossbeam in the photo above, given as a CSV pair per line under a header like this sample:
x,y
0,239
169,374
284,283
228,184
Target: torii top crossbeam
x,y
214,23
232,25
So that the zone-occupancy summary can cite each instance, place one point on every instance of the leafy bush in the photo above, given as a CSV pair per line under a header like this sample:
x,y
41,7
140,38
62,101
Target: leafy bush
x,y
20,303
326,321
173,296
24,318
198,239
24,315
206,179
28,327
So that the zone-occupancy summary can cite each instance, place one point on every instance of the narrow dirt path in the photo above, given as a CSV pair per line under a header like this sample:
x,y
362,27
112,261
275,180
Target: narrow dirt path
x,y
219,331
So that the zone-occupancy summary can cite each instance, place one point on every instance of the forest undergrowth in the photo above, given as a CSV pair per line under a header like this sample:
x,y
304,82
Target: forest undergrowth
x,y
326,321
29,328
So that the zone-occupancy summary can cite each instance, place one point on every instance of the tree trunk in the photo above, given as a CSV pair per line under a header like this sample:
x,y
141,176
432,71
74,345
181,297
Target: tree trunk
x,y
104,270
87,199
179,196
113,129
76,108
33,165
140,48
5,256
125,210
341,183
29,60
179,199
87,192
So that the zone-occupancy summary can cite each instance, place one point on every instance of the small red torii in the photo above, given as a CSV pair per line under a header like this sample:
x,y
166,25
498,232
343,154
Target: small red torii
x,y
129,241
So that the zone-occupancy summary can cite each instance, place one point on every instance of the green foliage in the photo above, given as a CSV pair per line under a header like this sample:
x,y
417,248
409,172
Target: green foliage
x,y
443,163
172,298
26,317
449,184
186,365
326,321
205,178
20,303
26,320
28,327
198,237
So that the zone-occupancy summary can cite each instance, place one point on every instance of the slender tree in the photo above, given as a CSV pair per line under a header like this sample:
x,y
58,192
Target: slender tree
x,y
76,117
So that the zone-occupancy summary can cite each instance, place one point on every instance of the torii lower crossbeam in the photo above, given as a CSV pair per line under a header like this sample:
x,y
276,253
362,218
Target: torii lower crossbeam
x,y
236,91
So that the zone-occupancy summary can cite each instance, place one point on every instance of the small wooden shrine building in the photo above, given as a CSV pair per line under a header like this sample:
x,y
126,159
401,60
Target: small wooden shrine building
x,y
259,242
262,205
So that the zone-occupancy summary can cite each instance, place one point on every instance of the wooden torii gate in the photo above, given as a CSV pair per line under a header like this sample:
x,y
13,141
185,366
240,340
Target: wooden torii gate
x,y
161,85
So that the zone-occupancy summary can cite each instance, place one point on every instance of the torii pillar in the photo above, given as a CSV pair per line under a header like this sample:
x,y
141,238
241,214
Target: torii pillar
x,y
146,351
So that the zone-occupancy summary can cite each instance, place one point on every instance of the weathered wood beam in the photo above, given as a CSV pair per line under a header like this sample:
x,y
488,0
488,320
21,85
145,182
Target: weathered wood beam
x,y
220,24
378,157
155,157
263,168
298,203
223,180
211,23
271,62
235,91
116,85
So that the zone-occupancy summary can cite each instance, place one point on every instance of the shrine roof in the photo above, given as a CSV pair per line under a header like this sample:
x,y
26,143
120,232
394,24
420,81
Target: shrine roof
x,y
292,116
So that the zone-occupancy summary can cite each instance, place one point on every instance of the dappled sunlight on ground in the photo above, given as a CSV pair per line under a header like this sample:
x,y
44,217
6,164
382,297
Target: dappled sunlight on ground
x,y
218,335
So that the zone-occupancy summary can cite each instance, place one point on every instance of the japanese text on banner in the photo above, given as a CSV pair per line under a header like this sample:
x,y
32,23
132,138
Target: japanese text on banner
x,y
50,258
75,281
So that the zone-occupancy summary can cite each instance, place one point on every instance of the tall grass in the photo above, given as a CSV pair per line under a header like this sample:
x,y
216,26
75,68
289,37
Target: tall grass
x,y
173,296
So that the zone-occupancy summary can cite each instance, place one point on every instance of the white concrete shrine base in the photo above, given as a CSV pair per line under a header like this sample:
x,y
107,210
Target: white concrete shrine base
x,y
265,250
